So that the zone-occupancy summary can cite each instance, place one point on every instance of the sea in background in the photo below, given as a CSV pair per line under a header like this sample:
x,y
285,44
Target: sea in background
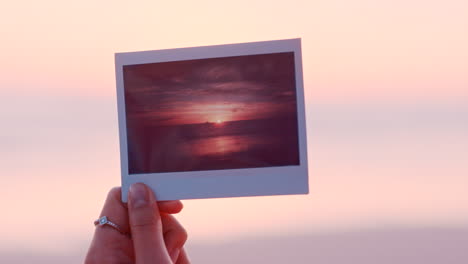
x,y
388,185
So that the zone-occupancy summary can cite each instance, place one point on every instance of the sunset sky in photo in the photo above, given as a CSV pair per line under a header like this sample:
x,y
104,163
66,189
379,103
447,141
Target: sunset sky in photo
x,y
231,112
211,90
386,97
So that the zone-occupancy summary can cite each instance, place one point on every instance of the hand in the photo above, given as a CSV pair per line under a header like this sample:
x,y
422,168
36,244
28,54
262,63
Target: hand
x,y
156,236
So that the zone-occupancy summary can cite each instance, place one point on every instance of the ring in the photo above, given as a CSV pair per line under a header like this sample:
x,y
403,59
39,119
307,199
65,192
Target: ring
x,y
102,221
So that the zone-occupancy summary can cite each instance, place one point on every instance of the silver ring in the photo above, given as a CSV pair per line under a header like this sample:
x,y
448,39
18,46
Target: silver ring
x,y
102,221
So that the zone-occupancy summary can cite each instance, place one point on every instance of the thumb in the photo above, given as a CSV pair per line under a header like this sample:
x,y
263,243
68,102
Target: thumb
x,y
146,226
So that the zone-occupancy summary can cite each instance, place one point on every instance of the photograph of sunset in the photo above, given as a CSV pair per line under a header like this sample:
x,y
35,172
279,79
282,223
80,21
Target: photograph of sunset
x,y
211,114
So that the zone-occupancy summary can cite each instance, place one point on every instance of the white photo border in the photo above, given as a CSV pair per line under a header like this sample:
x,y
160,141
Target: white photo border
x,y
217,183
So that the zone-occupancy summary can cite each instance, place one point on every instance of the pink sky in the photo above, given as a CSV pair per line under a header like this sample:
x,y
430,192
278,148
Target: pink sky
x,y
386,92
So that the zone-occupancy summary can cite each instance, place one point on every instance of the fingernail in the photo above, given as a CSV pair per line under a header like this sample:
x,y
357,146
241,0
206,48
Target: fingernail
x,y
175,254
138,195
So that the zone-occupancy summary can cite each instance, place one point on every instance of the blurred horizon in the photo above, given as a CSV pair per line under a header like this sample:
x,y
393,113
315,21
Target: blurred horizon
x,y
404,245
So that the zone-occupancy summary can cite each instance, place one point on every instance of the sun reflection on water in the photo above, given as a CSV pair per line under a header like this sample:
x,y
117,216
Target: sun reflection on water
x,y
221,145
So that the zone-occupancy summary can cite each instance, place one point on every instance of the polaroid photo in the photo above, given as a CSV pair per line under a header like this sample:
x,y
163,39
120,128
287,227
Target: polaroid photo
x,y
213,121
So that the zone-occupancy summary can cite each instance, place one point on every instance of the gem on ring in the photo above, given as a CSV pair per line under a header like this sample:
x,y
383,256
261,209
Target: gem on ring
x,y
104,221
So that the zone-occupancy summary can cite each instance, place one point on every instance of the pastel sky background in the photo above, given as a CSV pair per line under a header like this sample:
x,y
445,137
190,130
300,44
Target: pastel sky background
x,y
386,85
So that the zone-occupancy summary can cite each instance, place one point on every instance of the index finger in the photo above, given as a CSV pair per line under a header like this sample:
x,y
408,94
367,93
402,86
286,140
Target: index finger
x,y
106,238
116,212
170,207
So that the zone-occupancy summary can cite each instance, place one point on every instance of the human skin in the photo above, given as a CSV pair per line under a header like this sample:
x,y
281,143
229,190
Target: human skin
x,y
156,236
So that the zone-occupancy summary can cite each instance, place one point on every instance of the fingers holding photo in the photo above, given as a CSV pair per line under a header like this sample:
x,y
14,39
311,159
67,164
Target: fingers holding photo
x,y
111,240
175,236
170,207
146,226
142,231
116,212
